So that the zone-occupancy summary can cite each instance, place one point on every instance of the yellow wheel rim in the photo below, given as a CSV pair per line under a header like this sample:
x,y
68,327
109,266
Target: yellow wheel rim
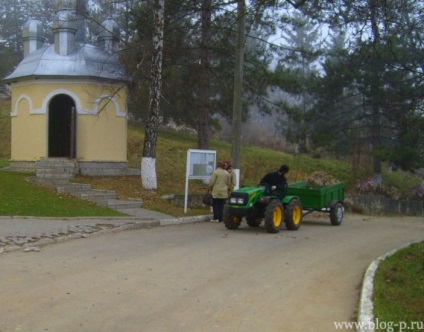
x,y
236,219
277,217
297,215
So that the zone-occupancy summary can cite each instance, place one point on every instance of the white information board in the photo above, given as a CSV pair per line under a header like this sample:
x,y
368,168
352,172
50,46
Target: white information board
x,y
200,165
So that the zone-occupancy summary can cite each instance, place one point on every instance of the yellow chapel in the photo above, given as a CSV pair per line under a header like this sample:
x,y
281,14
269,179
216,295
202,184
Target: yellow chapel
x,y
69,98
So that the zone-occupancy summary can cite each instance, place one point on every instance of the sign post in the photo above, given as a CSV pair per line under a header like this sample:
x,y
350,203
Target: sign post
x,y
200,165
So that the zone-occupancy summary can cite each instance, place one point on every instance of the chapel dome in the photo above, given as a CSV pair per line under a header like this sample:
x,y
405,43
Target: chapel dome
x,y
64,20
33,28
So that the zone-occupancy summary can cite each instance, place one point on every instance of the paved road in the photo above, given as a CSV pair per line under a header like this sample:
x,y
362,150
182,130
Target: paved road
x,y
198,277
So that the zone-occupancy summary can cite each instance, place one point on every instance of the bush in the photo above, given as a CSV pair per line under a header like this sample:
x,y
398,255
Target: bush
x,y
370,186
418,192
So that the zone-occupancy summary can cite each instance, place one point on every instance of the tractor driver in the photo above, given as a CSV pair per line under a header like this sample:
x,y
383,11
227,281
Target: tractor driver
x,y
277,181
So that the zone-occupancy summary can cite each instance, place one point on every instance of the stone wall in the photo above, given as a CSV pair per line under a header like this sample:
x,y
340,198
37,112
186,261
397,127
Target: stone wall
x,y
381,205
193,200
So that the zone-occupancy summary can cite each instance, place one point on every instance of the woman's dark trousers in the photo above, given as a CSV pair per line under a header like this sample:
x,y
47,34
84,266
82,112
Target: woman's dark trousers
x,y
218,208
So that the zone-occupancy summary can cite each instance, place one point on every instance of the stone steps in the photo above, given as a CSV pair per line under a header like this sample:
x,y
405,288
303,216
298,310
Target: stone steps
x,y
71,188
117,204
106,198
48,182
95,195
56,173
56,168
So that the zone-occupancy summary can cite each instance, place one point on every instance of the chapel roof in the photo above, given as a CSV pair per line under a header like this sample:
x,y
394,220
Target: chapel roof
x,y
70,56
86,61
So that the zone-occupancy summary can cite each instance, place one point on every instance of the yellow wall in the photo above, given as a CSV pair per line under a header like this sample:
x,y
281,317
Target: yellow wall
x,y
102,136
101,121
28,141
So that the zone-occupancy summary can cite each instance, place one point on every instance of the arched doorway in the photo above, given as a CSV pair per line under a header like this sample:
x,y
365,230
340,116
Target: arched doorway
x,y
62,127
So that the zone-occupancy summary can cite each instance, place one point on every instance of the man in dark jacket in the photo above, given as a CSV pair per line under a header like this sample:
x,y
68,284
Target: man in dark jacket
x,y
277,181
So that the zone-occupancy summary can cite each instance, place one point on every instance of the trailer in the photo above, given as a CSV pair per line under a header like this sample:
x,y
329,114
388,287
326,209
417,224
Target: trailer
x,y
320,198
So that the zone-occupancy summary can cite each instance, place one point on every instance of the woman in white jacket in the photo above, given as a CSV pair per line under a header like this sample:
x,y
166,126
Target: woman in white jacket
x,y
219,184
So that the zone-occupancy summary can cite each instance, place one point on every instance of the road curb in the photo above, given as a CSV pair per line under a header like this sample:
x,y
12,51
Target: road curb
x,y
136,223
366,306
185,220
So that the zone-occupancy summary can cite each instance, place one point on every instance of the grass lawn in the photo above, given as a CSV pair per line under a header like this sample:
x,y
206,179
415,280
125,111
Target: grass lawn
x,y
399,289
21,198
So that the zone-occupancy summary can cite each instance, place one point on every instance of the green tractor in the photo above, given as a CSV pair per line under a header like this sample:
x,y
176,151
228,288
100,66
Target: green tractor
x,y
257,204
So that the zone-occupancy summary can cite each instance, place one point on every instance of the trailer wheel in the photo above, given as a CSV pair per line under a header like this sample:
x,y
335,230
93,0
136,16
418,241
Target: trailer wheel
x,y
231,221
273,216
336,214
293,215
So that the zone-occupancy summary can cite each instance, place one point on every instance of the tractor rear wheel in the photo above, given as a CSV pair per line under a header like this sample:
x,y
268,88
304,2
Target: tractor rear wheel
x,y
293,215
273,216
231,221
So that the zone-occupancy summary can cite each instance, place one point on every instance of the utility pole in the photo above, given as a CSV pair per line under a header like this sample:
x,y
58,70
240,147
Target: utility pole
x,y
238,89
202,123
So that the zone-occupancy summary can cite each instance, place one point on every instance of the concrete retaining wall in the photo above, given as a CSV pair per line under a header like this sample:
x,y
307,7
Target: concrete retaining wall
x,y
193,200
381,205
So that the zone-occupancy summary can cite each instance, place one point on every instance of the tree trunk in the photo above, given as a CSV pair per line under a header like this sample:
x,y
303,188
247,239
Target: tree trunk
x,y
148,162
203,126
376,139
375,126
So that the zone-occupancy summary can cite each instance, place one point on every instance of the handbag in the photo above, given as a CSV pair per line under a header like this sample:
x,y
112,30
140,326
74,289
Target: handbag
x,y
207,199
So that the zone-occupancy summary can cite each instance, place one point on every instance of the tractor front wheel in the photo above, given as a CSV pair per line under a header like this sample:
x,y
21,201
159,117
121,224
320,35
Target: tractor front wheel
x,y
252,218
231,221
253,222
293,215
273,216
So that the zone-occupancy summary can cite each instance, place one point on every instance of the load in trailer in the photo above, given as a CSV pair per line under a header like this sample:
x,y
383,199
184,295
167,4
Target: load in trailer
x,y
257,204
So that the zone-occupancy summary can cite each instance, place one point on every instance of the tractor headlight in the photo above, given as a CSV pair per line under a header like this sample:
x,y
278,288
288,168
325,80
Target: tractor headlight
x,y
264,200
237,200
